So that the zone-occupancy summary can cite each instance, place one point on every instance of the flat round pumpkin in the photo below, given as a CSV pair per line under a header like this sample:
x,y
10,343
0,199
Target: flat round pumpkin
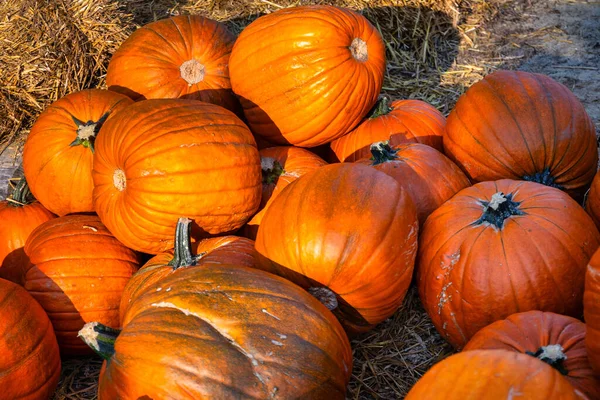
x,y
162,159
184,56
58,153
521,125
556,339
591,311
307,75
348,234
497,248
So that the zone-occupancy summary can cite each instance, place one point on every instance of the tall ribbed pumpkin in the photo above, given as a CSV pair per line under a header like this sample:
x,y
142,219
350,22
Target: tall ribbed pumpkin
x,y
162,159
78,273
521,125
307,75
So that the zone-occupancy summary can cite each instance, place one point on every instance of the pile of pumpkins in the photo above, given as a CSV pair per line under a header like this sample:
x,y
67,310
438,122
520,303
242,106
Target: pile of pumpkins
x,y
280,206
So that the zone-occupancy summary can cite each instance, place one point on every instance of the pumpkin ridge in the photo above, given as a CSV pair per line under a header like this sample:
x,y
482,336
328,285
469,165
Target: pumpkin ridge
x,y
185,43
551,107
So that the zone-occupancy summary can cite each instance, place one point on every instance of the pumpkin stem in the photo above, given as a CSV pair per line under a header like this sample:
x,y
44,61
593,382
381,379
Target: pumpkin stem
x,y
498,209
192,72
183,256
271,170
359,50
87,131
552,354
325,296
381,107
382,152
100,338
544,178
21,194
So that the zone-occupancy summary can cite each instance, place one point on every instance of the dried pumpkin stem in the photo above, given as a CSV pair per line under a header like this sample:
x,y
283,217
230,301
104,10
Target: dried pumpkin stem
x,y
552,354
498,209
100,338
381,107
382,152
544,177
271,170
87,131
359,50
325,296
21,195
192,72
183,256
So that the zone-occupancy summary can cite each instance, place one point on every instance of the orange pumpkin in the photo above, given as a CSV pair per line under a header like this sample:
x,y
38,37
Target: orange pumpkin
x,y
348,234
402,121
497,248
220,250
592,202
280,166
429,177
521,125
162,159
591,311
223,332
20,215
307,75
58,153
30,361
78,274
184,56
492,375
556,339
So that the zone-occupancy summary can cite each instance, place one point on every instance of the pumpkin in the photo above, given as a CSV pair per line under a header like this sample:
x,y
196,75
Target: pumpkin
x,y
223,331
165,158
58,152
492,375
591,311
592,202
501,247
20,215
78,274
347,233
218,250
429,177
521,125
556,339
184,56
30,362
398,121
307,75
280,166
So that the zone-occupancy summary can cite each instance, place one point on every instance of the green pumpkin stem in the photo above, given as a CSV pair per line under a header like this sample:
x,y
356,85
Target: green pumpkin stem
x,y
183,256
271,170
554,355
498,209
87,131
382,107
100,338
382,152
21,194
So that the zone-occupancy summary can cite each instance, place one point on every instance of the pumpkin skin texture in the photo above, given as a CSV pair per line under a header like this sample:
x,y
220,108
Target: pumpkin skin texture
x,y
521,125
249,335
497,248
402,121
185,56
58,153
429,176
162,159
492,375
20,215
30,361
348,234
280,166
592,203
591,311
307,75
78,274
556,339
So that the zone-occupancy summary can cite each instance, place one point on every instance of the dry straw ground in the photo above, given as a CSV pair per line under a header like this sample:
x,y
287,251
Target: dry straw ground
x,y
435,50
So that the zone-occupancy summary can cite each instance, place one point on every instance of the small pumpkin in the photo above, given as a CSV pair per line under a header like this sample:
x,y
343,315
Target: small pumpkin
x,y
429,177
592,203
555,339
492,375
184,56
78,274
218,250
30,363
522,125
223,331
398,122
20,215
591,311
170,157
280,166
348,234
501,247
307,75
